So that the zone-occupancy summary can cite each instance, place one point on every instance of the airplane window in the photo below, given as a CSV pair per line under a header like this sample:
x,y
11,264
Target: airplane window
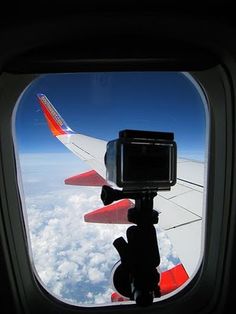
x,y
62,125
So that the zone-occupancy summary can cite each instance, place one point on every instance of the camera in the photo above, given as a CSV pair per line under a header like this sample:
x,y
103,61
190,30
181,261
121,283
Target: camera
x,y
142,160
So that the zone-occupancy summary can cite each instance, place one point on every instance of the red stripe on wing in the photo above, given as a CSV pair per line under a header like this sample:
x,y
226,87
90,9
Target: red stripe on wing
x,y
115,213
172,279
90,178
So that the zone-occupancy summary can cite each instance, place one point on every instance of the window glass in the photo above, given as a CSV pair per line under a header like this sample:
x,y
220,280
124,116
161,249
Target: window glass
x,y
72,250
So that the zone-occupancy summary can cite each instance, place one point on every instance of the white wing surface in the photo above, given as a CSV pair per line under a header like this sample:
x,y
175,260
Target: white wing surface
x,y
181,212
89,149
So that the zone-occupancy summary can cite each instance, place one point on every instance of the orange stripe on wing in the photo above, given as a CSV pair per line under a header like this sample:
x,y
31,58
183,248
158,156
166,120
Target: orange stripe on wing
x,y
56,130
53,125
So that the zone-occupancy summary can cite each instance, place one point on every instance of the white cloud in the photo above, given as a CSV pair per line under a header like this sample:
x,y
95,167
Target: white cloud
x,y
68,269
73,258
95,275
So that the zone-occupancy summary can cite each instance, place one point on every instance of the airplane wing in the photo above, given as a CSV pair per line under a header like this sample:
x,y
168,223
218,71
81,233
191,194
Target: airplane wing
x,y
90,150
180,209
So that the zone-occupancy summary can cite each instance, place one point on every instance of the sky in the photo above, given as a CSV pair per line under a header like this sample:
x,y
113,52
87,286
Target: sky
x,y
73,259
102,104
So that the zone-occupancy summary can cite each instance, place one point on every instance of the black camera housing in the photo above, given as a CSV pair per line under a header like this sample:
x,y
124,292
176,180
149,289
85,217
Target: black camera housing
x,y
141,160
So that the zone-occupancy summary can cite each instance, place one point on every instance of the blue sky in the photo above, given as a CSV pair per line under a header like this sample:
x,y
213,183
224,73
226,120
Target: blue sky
x,y
102,104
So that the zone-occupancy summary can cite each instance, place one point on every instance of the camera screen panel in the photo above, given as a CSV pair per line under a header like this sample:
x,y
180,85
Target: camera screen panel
x,y
146,162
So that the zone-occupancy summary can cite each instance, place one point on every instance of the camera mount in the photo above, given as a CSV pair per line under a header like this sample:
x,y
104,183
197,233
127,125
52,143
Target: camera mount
x,y
142,163
136,276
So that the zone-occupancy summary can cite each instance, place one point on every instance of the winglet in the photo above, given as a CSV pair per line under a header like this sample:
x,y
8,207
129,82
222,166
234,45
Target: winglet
x,y
55,122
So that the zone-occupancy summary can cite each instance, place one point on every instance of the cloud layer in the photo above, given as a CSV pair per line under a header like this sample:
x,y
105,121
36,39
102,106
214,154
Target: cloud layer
x,y
73,259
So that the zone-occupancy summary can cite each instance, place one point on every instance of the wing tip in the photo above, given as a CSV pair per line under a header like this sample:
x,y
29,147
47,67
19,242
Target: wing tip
x,y
55,122
40,95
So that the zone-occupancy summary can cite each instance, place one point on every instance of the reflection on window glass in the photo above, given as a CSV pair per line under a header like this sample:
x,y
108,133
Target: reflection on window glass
x,y
63,122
